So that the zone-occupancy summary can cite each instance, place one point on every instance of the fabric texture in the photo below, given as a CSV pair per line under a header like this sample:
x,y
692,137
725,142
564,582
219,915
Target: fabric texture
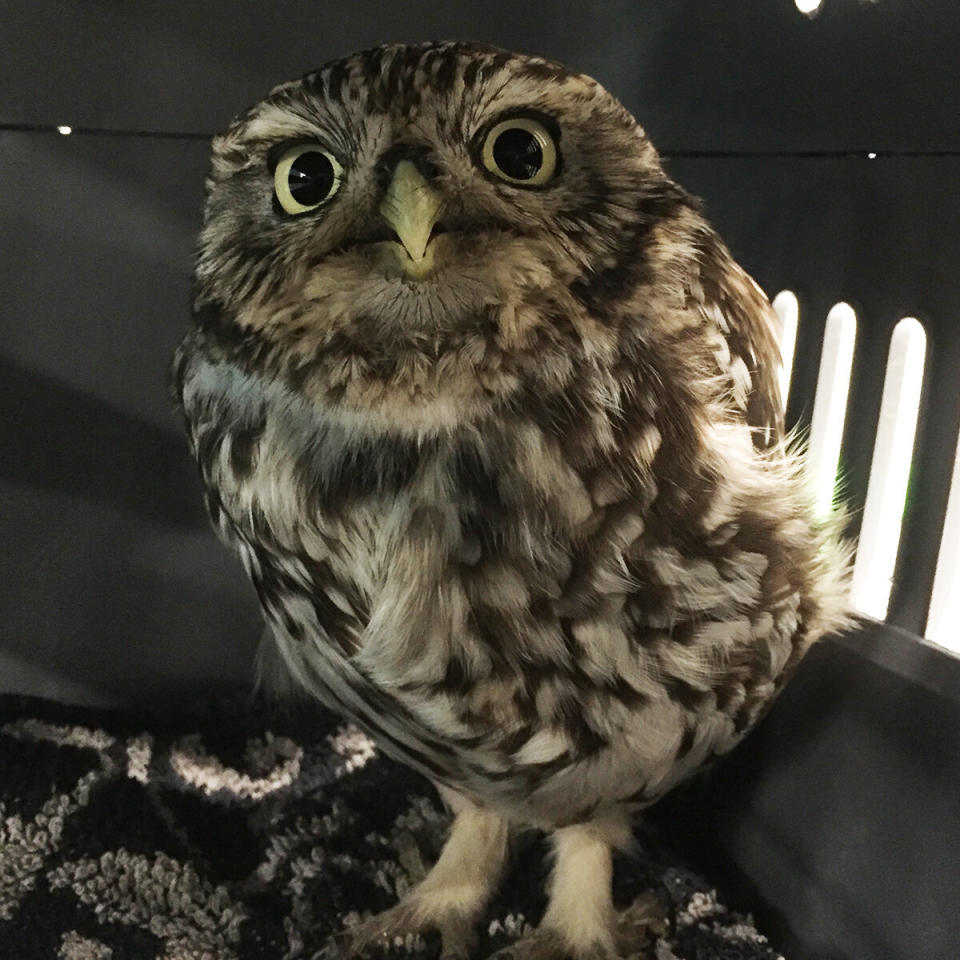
x,y
236,833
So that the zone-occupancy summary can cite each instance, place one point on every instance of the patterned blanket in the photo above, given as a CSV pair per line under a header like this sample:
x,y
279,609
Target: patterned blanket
x,y
237,834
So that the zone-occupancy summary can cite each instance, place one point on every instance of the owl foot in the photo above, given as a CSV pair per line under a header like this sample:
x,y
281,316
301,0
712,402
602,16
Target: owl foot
x,y
634,932
638,926
415,916
545,944
447,900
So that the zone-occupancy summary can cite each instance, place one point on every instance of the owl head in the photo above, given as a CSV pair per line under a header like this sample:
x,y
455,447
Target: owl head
x,y
416,235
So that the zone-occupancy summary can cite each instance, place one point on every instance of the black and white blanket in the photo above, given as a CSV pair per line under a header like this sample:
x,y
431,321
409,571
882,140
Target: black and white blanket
x,y
242,835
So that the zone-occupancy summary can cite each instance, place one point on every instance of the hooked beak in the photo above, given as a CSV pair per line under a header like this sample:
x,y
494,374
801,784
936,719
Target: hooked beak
x,y
411,207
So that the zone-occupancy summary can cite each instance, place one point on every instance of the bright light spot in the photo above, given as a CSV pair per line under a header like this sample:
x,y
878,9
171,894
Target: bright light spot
x,y
65,130
788,310
808,6
890,470
872,156
943,621
830,404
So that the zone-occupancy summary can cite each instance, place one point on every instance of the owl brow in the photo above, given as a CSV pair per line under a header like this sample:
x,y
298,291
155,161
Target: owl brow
x,y
473,120
485,105
476,109
342,144
280,139
342,140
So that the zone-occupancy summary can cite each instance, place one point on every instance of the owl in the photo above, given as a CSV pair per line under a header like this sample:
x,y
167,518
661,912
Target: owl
x,y
492,418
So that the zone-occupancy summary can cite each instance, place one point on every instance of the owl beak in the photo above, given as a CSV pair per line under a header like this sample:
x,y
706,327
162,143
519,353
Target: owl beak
x,y
412,207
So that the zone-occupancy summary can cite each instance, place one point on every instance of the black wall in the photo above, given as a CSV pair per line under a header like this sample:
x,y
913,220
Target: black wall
x,y
112,589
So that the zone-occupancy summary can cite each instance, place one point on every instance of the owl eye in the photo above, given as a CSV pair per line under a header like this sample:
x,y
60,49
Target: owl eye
x,y
520,150
304,177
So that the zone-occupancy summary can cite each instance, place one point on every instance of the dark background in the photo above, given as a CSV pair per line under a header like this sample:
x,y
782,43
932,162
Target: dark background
x,y
837,819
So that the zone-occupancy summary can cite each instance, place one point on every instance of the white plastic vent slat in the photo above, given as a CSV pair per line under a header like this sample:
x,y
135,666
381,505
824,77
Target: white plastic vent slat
x,y
788,310
943,621
830,403
890,469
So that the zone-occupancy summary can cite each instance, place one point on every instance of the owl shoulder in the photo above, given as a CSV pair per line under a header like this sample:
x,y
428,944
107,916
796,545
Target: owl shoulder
x,y
729,298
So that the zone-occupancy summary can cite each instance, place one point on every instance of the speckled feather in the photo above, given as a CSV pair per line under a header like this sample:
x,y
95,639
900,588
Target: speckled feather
x,y
532,521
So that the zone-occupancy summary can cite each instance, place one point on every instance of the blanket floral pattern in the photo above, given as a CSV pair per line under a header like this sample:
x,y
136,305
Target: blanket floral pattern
x,y
241,835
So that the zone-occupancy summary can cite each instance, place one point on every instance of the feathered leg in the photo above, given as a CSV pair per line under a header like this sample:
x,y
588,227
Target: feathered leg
x,y
580,921
452,896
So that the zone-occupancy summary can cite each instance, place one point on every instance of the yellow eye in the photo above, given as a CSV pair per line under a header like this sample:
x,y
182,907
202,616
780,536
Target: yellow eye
x,y
305,176
520,150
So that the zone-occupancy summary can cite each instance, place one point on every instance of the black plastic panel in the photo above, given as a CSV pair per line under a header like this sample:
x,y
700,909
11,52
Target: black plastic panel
x,y
836,820
113,588
97,236
701,75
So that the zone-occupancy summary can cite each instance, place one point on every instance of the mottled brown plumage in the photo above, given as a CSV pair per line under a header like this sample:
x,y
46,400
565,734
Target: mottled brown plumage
x,y
517,500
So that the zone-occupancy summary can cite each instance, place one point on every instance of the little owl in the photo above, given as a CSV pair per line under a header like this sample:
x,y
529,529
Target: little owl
x,y
492,418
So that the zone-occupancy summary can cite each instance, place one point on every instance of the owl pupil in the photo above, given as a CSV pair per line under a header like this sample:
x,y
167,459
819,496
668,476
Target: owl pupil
x,y
518,153
310,178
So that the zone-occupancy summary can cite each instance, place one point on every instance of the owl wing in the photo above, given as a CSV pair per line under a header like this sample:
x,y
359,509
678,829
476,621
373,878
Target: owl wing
x,y
299,609
316,619
751,329
315,628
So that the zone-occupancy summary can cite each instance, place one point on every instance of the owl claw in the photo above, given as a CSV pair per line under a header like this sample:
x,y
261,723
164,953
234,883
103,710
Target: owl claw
x,y
542,944
637,924
635,928
398,929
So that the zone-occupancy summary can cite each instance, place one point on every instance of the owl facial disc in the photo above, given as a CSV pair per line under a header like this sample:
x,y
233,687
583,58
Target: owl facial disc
x,y
412,207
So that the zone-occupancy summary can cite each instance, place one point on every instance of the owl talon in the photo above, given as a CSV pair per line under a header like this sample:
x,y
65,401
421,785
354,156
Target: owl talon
x,y
635,929
643,920
402,925
542,944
